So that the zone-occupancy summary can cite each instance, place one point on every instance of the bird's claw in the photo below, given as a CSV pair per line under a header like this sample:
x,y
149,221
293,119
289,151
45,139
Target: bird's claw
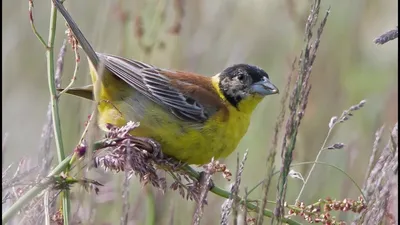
x,y
203,180
157,153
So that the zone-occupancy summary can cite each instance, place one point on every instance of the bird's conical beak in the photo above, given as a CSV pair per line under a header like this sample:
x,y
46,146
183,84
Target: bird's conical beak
x,y
264,87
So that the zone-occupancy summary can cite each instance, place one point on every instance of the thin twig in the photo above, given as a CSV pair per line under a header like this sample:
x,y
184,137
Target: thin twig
x,y
333,122
77,60
45,155
55,107
39,37
33,192
46,206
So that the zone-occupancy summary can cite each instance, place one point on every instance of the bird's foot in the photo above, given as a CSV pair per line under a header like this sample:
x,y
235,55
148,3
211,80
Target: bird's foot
x,y
203,180
157,153
153,147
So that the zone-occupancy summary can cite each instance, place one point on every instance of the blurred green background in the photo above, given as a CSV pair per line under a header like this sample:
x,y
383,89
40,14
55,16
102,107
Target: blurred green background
x,y
214,34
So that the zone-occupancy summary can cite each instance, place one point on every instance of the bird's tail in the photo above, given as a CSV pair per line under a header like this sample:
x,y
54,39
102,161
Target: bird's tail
x,y
91,54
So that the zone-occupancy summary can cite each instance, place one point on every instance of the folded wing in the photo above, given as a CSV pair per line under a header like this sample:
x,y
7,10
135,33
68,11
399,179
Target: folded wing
x,y
150,82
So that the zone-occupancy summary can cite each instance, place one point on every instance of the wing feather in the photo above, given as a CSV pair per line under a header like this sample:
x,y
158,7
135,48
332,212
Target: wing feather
x,y
148,81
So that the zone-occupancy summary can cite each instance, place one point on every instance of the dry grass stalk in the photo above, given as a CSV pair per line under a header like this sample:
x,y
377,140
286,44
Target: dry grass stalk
x,y
125,191
381,184
378,137
299,99
27,175
232,204
387,36
14,186
345,116
204,188
272,150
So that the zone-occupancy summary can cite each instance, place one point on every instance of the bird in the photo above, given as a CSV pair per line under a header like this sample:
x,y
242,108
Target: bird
x,y
195,118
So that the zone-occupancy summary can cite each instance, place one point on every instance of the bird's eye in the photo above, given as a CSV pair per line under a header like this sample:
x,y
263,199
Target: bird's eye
x,y
241,76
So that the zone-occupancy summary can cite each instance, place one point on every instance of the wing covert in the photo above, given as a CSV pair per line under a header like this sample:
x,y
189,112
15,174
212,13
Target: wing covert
x,y
148,80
